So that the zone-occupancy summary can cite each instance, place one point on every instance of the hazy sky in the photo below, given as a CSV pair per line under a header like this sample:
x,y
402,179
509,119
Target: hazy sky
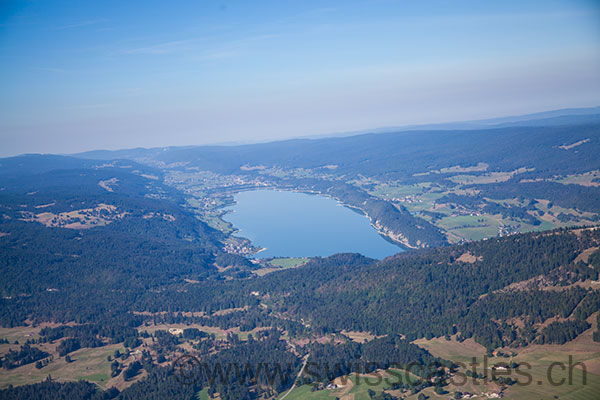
x,y
81,75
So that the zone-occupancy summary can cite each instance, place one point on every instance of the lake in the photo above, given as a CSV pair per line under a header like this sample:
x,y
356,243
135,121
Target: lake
x,y
294,224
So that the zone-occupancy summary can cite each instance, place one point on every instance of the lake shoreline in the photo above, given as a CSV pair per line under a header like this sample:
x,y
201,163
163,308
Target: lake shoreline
x,y
337,239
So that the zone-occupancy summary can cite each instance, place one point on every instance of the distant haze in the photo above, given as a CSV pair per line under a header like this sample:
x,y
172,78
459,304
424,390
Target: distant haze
x,y
77,76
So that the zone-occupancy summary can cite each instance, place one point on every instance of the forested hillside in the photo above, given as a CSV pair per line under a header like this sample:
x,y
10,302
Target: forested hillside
x,y
77,243
399,154
109,258
421,188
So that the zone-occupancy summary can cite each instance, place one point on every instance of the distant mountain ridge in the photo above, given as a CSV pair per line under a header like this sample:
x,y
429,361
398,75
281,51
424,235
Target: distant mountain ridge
x,y
568,116
564,116
402,180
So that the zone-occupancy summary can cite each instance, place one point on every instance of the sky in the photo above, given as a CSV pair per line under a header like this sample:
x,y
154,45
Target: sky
x,y
83,75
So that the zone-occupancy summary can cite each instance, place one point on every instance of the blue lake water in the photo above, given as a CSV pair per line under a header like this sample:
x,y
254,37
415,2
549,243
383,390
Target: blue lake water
x,y
301,225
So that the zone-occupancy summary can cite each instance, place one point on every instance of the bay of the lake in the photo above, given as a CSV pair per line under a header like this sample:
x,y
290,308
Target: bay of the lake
x,y
291,224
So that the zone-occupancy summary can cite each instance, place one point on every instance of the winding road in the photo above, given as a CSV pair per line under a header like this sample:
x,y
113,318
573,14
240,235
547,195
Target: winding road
x,y
297,377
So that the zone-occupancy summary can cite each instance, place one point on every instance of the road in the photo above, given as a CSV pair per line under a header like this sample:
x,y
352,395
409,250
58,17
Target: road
x,y
297,377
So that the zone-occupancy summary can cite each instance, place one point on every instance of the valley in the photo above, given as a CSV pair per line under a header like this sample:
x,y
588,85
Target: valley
x,y
300,200
138,266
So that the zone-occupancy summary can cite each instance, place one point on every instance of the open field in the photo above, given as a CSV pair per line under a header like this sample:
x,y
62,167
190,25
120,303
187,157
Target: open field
x,y
537,361
279,264
288,262
452,349
480,167
397,191
360,337
540,381
353,387
89,364
86,218
460,222
218,332
491,177
591,178
470,227
20,334
305,392
215,221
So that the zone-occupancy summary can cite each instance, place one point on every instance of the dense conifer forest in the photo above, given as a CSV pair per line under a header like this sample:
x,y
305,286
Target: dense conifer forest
x,y
107,253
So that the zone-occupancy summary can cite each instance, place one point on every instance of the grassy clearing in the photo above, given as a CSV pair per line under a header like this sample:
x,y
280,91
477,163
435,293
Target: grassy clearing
x,y
203,395
218,332
266,270
360,337
480,167
591,178
417,198
492,177
536,360
288,262
216,222
424,202
452,349
20,334
388,191
352,387
305,392
550,214
478,227
460,221
363,383
86,218
209,211
471,227
279,264
89,364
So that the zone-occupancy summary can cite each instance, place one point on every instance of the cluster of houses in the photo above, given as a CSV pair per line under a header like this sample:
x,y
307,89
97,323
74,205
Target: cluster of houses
x,y
489,395
239,249
407,199
494,395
